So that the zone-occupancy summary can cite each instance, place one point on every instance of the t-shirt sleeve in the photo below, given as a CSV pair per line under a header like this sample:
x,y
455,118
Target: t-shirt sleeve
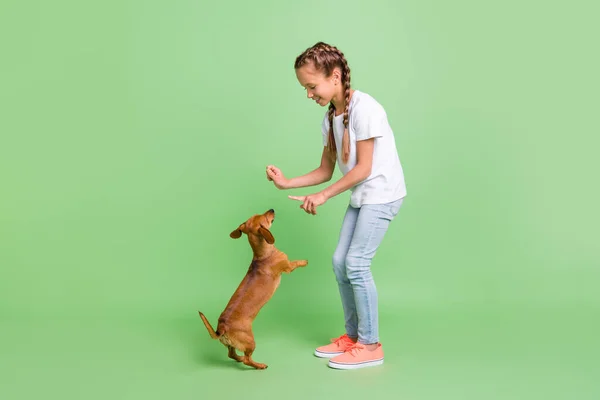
x,y
368,121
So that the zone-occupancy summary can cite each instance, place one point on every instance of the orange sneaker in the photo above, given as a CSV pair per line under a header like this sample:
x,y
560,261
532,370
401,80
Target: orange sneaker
x,y
335,348
357,356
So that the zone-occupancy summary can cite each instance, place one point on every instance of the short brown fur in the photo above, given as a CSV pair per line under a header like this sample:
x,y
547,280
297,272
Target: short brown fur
x,y
234,328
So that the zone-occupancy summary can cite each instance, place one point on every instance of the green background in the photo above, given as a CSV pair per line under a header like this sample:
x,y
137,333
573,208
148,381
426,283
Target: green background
x,y
135,136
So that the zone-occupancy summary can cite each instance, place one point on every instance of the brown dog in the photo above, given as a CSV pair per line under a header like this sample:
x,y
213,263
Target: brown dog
x,y
258,286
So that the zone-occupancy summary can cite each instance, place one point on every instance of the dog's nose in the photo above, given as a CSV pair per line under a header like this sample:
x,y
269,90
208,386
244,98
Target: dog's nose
x,y
271,210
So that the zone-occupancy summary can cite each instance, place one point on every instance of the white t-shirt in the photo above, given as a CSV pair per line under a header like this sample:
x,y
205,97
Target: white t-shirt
x,y
367,120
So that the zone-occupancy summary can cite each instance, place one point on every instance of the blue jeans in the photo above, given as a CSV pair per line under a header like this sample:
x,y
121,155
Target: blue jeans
x,y
362,232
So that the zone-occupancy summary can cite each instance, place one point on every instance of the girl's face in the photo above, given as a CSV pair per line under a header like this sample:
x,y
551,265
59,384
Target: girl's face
x,y
318,87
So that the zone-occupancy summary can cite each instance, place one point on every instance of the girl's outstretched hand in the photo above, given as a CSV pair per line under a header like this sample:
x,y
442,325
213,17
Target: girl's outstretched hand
x,y
310,202
275,175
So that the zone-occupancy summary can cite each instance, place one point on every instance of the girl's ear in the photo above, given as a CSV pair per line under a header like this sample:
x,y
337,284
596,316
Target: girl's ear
x,y
236,234
267,235
337,75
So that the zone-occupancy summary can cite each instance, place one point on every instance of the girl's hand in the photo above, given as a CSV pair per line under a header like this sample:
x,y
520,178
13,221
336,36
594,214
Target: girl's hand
x,y
310,202
275,175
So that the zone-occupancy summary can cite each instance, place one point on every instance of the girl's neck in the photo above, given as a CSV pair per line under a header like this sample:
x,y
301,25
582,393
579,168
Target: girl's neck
x,y
339,102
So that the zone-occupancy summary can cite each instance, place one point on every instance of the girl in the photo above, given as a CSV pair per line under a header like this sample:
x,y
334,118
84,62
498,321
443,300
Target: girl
x,y
357,135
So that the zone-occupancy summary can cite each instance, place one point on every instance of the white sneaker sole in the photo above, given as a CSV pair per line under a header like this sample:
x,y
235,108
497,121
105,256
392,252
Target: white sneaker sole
x,y
326,355
355,366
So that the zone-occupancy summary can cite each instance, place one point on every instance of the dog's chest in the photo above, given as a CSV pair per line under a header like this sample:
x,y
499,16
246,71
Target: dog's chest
x,y
274,286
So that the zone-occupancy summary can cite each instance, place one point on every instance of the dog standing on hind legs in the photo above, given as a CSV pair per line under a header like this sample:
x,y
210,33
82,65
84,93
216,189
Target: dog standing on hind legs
x,y
234,328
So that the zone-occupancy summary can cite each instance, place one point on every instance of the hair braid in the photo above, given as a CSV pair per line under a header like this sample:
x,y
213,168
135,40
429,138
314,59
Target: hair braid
x,y
346,83
331,138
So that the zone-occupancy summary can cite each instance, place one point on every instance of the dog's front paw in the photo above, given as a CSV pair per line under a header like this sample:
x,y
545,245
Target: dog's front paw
x,y
297,263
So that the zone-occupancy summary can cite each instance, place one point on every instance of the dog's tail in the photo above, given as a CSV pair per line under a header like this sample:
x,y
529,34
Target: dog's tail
x,y
210,329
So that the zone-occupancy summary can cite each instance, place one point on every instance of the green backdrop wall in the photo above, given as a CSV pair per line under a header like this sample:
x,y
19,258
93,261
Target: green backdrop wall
x,y
135,136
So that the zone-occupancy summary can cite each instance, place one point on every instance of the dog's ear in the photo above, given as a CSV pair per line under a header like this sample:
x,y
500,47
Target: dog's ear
x,y
267,235
236,234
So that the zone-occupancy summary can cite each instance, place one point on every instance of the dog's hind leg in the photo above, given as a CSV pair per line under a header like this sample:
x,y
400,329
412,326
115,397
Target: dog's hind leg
x,y
247,359
246,344
232,354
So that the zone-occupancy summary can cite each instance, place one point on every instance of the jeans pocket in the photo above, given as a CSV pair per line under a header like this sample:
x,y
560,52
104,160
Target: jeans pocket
x,y
395,207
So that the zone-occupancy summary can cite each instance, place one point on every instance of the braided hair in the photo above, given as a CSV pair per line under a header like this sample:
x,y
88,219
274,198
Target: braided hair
x,y
325,58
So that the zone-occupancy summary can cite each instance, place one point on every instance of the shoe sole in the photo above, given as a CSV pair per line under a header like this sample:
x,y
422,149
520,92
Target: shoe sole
x,y
355,366
320,354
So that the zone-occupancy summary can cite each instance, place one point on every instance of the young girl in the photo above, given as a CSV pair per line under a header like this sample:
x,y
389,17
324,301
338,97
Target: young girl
x,y
356,132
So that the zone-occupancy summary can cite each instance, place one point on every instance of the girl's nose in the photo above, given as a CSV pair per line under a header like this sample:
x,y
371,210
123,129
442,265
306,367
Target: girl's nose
x,y
309,95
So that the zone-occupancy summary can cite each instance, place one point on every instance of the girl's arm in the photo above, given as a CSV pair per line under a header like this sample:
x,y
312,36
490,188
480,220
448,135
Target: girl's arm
x,y
317,176
360,172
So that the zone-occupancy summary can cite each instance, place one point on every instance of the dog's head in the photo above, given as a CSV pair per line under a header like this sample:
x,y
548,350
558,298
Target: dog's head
x,y
257,225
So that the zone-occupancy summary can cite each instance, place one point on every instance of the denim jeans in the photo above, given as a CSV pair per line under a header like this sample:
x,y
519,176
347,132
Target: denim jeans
x,y
362,231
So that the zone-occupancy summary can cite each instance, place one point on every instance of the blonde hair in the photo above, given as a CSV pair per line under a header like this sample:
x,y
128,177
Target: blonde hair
x,y
325,58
